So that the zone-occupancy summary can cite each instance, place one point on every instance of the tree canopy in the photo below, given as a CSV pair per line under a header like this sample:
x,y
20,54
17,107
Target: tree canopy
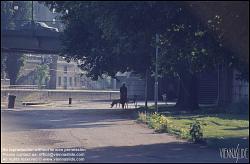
x,y
107,35
10,19
120,36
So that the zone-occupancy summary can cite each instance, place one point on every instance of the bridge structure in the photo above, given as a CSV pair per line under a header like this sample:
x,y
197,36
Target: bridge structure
x,y
31,41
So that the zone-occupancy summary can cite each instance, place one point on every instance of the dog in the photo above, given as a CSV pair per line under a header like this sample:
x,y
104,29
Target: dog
x,y
115,102
118,101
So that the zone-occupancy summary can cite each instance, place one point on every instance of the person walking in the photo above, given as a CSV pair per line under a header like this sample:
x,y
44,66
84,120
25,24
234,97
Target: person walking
x,y
123,95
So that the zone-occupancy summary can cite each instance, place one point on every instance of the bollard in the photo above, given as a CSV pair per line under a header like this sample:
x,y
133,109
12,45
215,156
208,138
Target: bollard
x,y
70,101
11,101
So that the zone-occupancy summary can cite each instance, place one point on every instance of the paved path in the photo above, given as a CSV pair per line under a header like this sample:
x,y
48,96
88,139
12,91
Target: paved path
x,y
108,135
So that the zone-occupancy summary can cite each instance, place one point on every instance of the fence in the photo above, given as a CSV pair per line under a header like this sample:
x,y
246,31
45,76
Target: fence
x,y
21,86
57,95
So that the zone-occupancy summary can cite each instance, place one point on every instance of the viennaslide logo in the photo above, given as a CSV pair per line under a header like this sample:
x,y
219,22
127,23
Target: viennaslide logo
x,y
234,153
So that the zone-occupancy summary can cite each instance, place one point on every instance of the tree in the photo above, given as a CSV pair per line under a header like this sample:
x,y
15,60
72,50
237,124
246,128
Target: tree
x,y
95,34
3,59
119,36
42,75
188,48
7,13
13,63
10,19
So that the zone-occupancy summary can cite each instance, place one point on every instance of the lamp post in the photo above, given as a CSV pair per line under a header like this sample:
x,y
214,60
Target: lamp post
x,y
156,72
32,18
15,7
32,8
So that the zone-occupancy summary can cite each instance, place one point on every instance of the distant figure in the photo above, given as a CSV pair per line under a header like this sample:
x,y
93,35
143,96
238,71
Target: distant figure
x,y
123,95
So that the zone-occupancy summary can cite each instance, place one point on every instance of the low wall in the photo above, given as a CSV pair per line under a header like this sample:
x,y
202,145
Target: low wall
x,y
54,95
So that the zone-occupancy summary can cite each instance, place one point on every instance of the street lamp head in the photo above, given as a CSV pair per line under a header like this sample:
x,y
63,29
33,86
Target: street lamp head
x,y
15,7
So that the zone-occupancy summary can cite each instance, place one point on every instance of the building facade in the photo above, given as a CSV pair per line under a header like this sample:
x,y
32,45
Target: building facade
x,y
68,75
135,85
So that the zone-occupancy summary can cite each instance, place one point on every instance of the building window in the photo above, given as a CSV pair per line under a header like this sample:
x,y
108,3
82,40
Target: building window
x,y
65,69
70,81
59,81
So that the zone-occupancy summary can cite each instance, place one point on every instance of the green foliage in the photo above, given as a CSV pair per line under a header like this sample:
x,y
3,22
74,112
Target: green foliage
x,y
7,13
196,131
10,18
187,46
219,129
117,36
120,36
161,123
142,117
110,34
42,75
155,121
14,62
3,65
184,133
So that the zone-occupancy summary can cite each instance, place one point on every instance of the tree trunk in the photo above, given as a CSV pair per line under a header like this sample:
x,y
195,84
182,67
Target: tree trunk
x,y
188,92
225,86
146,89
13,64
3,65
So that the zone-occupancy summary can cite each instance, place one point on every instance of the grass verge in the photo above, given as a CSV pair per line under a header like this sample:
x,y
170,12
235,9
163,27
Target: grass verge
x,y
218,129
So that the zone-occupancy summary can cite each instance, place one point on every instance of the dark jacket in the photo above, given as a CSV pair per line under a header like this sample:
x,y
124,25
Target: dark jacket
x,y
123,94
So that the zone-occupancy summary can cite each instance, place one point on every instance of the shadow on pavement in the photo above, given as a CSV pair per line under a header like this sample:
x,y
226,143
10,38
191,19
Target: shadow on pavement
x,y
165,152
56,119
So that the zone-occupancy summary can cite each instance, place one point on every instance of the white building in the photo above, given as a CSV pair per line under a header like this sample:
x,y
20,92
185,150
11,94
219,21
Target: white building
x,y
68,75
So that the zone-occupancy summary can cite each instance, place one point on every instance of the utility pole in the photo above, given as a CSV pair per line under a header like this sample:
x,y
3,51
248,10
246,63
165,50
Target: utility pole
x,y
32,19
156,72
32,11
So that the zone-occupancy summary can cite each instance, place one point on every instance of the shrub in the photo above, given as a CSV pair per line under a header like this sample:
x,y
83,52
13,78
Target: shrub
x,y
184,133
153,121
165,122
142,117
158,122
196,131
162,124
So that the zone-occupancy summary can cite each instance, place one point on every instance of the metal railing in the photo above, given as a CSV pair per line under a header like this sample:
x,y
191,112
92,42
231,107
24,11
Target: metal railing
x,y
22,86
